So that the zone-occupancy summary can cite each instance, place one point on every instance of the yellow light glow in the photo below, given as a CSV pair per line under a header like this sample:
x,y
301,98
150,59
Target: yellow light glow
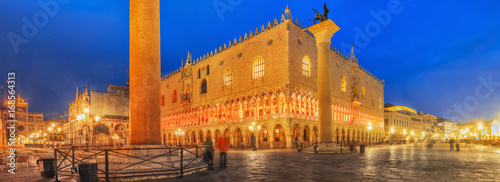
x,y
50,129
97,118
87,109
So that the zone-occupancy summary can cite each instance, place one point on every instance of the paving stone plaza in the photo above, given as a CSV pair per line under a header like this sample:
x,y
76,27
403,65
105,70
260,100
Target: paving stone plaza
x,y
379,163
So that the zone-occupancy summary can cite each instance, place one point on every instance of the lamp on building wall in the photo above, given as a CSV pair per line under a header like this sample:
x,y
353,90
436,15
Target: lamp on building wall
x,y
370,134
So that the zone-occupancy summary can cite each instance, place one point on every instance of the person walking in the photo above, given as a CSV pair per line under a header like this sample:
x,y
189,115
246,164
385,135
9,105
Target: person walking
x,y
452,143
222,143
209,154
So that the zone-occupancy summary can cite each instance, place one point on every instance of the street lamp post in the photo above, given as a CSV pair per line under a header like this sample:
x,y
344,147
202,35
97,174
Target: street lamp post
x,y
392,135
50,134
404,136
253,135
114,140
179,135
370,135
480,127
59,134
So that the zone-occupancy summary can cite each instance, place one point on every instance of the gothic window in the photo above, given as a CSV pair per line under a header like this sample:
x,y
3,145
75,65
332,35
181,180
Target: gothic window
x,y
343,84
228,78
204,86
199,73
258,67
306,66
162,100
208,69
363,92
174,96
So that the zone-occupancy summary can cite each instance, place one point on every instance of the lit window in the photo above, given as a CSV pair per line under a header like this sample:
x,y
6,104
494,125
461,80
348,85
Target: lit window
x,y
203,86
258,67
343,84
306,66
228,78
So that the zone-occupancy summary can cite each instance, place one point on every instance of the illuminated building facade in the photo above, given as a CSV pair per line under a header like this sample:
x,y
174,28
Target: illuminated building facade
x,y
28,123
403,123
100,118
268,77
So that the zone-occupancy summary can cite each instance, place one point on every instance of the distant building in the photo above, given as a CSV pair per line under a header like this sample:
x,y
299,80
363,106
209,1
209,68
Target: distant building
x,y
449,127
98,117
407,124
28,123
490,129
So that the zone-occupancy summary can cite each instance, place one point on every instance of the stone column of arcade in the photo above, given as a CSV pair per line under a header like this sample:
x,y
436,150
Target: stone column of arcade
x,y
323,33
145,76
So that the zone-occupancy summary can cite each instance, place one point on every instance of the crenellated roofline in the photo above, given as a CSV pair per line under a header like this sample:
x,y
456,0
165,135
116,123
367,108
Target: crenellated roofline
x,y
284,17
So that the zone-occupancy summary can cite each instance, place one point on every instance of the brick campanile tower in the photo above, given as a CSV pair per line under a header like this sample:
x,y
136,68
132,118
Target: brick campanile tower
x,y
145,75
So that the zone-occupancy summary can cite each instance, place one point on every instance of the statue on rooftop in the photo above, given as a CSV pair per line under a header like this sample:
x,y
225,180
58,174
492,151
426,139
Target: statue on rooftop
x,y
319,16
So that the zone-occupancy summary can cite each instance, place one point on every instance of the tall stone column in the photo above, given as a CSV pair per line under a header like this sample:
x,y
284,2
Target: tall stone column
x,y
145,76
323,33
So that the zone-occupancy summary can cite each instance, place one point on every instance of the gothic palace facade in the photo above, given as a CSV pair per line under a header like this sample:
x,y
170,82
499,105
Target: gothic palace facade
x,y
269,78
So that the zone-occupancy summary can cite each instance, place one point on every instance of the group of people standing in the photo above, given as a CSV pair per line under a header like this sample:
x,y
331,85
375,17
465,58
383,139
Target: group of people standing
x,y
453,143
222,143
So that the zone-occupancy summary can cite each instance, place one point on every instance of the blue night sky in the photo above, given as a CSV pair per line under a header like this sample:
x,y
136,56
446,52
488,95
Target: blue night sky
x,y
435,56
